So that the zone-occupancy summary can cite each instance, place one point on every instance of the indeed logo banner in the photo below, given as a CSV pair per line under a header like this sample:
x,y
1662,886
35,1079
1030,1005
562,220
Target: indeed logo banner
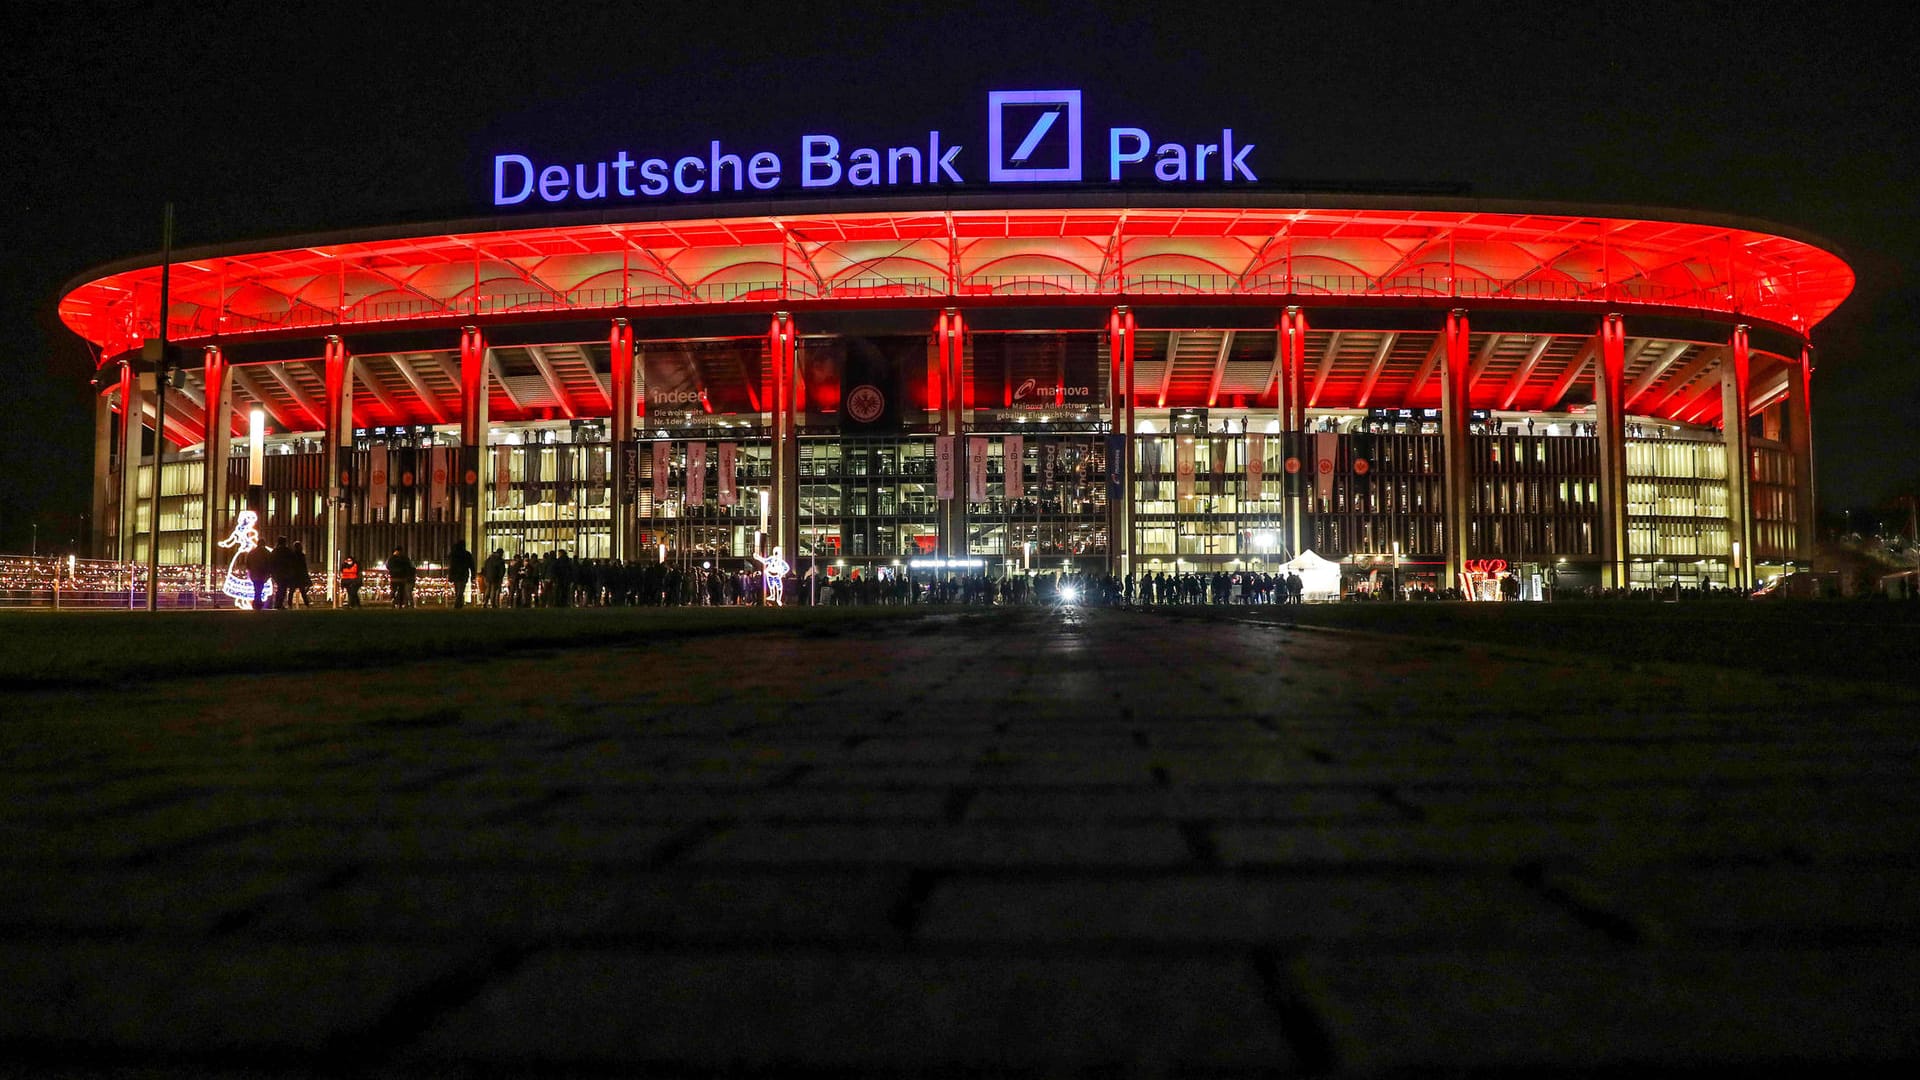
x,y
1032,136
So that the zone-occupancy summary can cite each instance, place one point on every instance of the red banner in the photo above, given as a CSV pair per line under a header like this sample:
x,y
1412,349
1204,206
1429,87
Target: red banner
x,y
1183,467
943,466
727,453
696,473
662,461
1013,456
1256,466
1326,447
977,469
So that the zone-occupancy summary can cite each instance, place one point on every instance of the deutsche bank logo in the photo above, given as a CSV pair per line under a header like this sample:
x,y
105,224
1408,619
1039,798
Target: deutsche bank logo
x,y
1033,136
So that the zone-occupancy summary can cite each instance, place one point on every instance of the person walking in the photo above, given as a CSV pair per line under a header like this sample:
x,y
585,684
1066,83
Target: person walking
x,y
460,571
400,574
350,579
491,573
260,573
302,576
284,571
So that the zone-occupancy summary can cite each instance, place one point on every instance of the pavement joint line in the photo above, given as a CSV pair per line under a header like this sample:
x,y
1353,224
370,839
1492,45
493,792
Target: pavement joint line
x,y
243,917
905,913
1619,929
1302,1028
188,845
677,845
1391,796
1198,835
416,1013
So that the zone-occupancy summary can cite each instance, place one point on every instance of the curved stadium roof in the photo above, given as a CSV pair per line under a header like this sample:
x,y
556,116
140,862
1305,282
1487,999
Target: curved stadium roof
x,y
977,250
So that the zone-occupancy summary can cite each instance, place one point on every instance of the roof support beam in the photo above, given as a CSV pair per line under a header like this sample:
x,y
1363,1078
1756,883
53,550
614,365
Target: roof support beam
x,y
1526,370
379,392
1575,368
1327,357
1434,353
314,413
1166,371
554,382
1484,358
1374,369
493,367
420,388
1654,370
1708,358
1219,368
244,377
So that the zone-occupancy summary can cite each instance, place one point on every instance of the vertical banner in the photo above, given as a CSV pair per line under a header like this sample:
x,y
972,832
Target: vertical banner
x,y
1049,459
977,468
563,474
728,452
1116,468
1013,455
502,474
377,482
596,474
630,464
1183,467
696,473
437,468
662,461
1256,466
530,475
1326,446
943,466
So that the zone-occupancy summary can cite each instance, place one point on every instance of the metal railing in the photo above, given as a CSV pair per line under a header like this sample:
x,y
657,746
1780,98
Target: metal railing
x,y
208,321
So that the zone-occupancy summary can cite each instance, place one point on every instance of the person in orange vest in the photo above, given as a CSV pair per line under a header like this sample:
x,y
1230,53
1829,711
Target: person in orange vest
x,y
350,579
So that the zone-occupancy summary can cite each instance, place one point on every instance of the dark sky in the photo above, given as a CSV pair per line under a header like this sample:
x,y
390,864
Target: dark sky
x,y
266,119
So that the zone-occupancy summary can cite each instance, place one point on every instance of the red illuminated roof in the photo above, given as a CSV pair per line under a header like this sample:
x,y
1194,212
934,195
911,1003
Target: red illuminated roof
x,y
978,250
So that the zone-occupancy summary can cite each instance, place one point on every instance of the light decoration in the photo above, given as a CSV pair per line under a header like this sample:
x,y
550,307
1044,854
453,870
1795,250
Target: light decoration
x,y
1476,576
773,569
239,583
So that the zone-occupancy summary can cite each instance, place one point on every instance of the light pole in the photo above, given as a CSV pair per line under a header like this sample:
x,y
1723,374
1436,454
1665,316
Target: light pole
x,y
159,412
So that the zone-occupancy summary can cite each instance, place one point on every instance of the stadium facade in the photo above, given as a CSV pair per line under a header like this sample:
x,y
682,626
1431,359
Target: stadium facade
x,y
1423,389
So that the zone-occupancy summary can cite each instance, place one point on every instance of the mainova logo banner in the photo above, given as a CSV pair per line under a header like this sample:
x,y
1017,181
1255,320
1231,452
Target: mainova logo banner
x,y
1036,372
1021,137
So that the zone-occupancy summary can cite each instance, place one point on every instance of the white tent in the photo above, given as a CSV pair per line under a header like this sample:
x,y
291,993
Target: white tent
x,y
1319,579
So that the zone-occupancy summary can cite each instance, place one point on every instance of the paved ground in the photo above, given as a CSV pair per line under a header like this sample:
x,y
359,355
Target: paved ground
x,y
993,843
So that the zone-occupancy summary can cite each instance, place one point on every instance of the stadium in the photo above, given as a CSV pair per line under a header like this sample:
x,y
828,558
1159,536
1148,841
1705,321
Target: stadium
x,y
1422,390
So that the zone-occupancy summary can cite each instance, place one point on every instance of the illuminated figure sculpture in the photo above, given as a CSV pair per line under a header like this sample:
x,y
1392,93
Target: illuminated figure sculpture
x,y
239,583
773,570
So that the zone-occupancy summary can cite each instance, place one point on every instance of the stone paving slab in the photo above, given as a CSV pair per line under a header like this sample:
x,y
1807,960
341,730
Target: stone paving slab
x,y
1000,842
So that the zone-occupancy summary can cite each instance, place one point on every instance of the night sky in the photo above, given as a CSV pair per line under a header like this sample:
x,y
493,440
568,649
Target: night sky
x,y
260,120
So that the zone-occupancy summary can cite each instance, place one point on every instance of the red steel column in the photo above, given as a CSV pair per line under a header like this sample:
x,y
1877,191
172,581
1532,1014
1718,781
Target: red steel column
x,y
473,436
1120,335
1610,409
1293,421
1734,395
785,526
217,437
1456,440
949,332
132,421
1800,444
620,342
339,436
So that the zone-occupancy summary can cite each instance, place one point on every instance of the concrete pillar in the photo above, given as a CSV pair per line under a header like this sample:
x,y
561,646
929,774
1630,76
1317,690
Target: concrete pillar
x,y
1734,394
1120,338
1800,444
133,394
620,341
1456,440
339,440
1610,408
473,438
218,441
102,473
1293,422
783,342
950,333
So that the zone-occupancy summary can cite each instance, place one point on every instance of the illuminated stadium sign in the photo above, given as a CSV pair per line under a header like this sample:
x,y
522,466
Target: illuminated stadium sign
x,y
1033,136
